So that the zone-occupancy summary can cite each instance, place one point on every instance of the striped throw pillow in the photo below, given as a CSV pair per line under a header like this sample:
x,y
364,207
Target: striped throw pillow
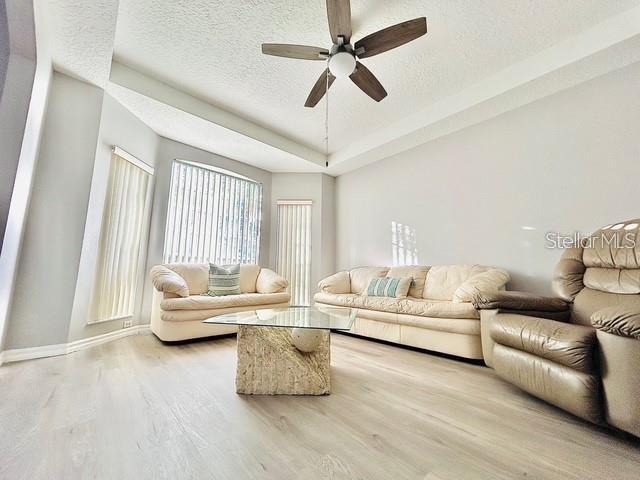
x,y
393,287
224,280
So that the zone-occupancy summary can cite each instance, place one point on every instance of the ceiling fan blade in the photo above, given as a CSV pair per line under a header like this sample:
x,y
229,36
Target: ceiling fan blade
x,y
339,15
367,82
390,37
319,89
302,52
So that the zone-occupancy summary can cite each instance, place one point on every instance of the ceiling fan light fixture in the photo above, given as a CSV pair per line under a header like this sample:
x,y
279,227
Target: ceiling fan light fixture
x,y
342,64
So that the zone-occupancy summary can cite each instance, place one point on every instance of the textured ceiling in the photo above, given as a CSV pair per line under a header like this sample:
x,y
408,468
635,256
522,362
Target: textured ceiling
x,y
81,34
211,49
179,125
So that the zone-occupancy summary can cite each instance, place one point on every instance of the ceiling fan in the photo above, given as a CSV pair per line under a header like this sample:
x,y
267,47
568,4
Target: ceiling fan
x,y
343,57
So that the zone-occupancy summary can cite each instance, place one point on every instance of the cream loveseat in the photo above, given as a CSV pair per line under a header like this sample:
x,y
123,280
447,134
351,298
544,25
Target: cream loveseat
x,y
437,314
181,303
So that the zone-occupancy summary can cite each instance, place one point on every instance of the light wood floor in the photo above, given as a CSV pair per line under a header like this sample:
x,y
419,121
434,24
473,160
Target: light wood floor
x,y
137,409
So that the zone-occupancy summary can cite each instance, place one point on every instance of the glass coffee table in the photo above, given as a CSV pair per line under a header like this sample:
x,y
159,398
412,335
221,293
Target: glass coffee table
x,y
286,351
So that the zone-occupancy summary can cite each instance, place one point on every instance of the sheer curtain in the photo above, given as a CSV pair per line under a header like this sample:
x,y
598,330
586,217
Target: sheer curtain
x,y
124,220
212,216
293,258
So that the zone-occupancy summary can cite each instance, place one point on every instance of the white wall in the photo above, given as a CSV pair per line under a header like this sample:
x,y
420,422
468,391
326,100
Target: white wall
x,y
5,49
24,17
328,251
56,266
318,188
17,69
168,151
52,241
118,126
14,105
489,193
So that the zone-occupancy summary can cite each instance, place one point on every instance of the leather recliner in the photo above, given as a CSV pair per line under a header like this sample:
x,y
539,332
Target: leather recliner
x,y
580,351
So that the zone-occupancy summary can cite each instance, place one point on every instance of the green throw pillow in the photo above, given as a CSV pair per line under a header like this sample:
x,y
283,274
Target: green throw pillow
x,y
224,280
388,287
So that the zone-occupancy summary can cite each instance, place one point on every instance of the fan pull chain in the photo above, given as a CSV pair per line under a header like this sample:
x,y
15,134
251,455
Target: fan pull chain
x,y
326,119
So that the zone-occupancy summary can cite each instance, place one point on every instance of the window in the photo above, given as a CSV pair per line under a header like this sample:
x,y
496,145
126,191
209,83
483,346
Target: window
x,y
124,225
293,259
213,216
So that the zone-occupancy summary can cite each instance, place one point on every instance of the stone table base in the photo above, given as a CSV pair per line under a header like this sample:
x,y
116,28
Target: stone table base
x,y
269,363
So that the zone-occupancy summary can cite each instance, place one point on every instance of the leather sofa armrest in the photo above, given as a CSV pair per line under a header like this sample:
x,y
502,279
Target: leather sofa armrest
x,y
269,281
619,321
519,302
166,280
492,280
337,283
556,316
564,343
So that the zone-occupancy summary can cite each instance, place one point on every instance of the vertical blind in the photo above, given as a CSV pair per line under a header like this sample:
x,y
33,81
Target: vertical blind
x,y
293,258
212,217
124,220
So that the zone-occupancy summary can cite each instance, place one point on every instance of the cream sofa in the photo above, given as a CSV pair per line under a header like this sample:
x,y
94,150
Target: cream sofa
x,y
437,314
181,303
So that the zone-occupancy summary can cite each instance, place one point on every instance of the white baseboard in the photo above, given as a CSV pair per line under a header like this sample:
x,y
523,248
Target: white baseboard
x,y
107,337
20,354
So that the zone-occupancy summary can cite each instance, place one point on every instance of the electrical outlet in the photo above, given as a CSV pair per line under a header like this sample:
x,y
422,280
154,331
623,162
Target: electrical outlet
x,y
127,323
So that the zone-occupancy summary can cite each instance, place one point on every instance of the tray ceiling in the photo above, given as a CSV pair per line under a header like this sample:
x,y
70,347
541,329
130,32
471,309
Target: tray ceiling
x,y
211,51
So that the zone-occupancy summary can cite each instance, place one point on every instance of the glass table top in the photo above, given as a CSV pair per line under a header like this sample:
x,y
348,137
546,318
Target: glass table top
x,y
321,317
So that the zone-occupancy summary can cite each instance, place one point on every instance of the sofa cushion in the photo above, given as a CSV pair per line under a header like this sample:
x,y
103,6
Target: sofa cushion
x,y
269,281
385,317
492,280
616,247
195,274
383,304
224,280
416,272
410,306
613,280
563,343
437,309
589,301
576,392
337,283
360,277
393,287
352,300
464,326
248,276
200,315
206,302
443,281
